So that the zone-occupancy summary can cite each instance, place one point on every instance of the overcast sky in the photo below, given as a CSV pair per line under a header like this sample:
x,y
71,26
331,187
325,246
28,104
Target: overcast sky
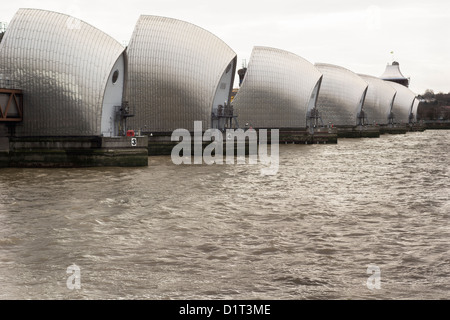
x,y
358,35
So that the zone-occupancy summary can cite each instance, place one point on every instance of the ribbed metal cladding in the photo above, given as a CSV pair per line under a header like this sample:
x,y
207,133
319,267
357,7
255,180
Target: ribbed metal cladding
x,y
403,102
62,65
340,96
414,110
174,70
379,100
276,90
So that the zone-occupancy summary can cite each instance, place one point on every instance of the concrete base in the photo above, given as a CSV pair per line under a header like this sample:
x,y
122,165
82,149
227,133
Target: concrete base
x,y
396,129
319,136
417,128
359,132
4,159
4,152
161,144
4,144
74,152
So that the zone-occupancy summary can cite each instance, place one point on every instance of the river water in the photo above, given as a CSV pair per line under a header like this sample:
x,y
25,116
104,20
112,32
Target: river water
x,y
227,232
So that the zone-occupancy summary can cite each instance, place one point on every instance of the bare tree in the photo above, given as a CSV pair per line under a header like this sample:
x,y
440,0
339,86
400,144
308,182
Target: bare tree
x,y
429,94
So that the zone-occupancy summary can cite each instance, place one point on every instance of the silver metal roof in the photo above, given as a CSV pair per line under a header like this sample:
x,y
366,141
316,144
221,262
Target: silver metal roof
x,y
62,65
178,72
403,102
341,95
277,90
393,72
379,100
414,110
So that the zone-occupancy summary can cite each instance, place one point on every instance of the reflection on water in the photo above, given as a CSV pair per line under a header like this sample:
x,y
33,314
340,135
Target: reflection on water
x,y
227,232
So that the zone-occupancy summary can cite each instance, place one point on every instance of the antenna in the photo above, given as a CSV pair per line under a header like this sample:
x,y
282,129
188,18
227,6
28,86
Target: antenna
x,y
392,56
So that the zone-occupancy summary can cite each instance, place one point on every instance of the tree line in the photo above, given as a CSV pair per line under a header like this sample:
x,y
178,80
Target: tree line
x,y
434,106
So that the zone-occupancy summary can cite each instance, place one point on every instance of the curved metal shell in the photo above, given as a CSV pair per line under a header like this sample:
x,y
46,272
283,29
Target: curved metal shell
x,y
278,89
62,65
414,110
341,95
178,74
379,100
403,103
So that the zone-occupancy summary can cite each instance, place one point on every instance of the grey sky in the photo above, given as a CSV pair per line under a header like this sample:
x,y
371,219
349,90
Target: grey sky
x,y
358,35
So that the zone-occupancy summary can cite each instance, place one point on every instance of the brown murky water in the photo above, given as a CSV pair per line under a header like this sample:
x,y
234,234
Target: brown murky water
x,y
227,232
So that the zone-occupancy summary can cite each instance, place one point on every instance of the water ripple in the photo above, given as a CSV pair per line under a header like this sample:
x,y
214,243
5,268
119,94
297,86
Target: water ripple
x,y
228,232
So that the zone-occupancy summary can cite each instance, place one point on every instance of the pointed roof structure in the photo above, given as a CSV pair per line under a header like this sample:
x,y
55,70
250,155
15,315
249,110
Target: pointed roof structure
x,y
393,73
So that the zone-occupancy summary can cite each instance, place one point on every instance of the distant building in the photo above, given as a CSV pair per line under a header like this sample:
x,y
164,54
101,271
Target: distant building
x,y
393,73
443,113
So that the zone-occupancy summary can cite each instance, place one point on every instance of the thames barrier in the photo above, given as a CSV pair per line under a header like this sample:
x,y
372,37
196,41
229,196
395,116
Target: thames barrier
x,y
77,97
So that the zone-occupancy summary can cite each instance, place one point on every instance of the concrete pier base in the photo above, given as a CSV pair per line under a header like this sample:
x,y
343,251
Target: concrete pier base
x,y
161,144
4,152
416,127
318,136
54,152
395,129
359,132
